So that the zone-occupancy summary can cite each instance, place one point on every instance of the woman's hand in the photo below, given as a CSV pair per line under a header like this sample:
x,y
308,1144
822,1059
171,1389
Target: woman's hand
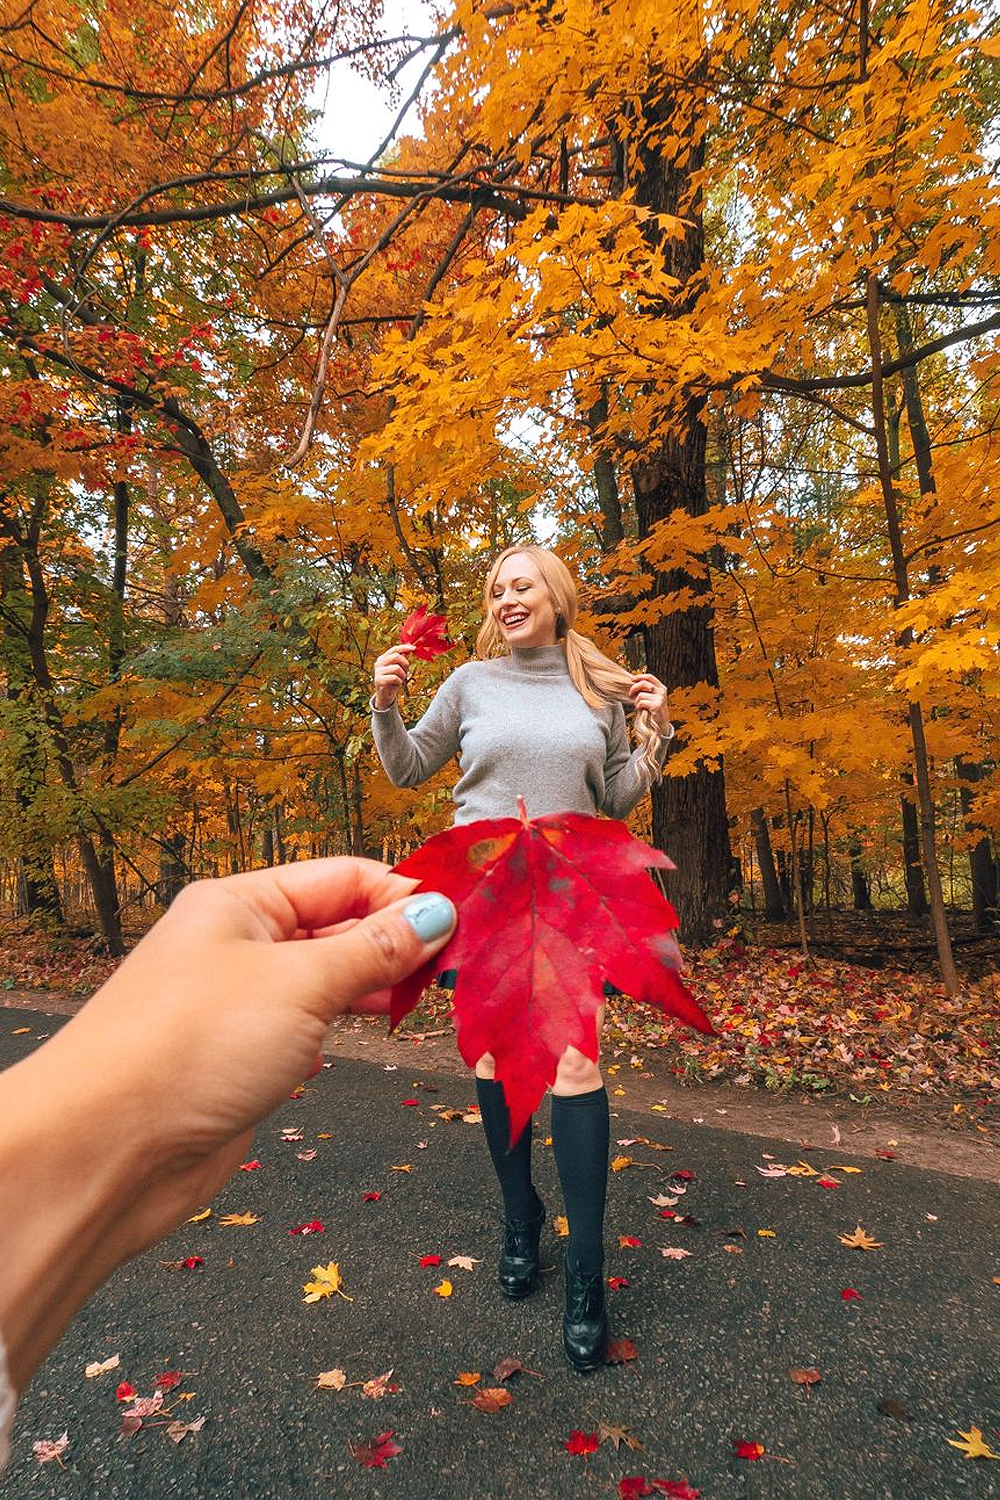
x,y
136,1112
648,692
390,673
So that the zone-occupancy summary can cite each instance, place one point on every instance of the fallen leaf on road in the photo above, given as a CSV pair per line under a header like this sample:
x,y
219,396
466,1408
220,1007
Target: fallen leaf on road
x,y
581,1442
749,1450
850,1295
617,1283
505,1368
101,1367
405,1168
620,1351
629,1242
775,1171
370,1197
674,1252
860,1240
467,1377
167,1380
309,1155
620,1163
464,1262
379,1386
246,1218
47,1449
374,1454
802,1376
608,1434
491,1399
206,1213
444,1288
845,1169
827,1182
766,1234
560,1224
313,1227
662,1201
331,1380
430,1260
327,1283
250,1166
971,1444
125,1392
178,1431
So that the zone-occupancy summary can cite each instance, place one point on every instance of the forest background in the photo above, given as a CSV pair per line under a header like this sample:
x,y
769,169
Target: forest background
x,y
708,300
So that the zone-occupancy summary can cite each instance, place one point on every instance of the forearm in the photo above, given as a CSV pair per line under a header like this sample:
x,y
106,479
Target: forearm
x,y
67,1189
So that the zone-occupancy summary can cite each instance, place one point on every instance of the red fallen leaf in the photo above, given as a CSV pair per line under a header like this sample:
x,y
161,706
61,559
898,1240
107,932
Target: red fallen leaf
x,y
125,1392
850,1295
370,1197
250,1166
620,1351
637,1487
827,1182
428,633
616,1283
629,1242
527,986
581,1442
667,1213
313,1227
749,1450
411,1101
430,1260
374,1454
886,1155
192,1263
683,1175
167,1380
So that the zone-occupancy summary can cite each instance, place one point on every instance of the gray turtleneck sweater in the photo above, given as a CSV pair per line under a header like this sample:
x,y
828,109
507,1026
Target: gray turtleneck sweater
x,y
519,727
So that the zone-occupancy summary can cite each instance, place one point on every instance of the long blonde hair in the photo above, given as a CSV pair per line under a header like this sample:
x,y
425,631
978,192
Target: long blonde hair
x,y
597,678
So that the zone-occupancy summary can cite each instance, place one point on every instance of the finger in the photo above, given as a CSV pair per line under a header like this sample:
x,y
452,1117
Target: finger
x,y
310,895
371,956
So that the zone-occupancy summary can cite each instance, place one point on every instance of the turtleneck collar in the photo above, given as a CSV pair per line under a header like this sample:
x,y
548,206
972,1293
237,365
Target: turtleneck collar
x,y
539,661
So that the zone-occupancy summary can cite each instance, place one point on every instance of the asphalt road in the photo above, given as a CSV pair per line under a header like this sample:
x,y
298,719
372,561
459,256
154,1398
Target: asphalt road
x,y
716,1332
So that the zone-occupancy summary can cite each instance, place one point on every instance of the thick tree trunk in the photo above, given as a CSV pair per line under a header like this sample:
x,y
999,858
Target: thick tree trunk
x,y
860,889
689,812
913,873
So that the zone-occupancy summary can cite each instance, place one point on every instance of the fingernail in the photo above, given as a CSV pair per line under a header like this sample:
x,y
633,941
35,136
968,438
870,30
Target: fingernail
x,y
430,915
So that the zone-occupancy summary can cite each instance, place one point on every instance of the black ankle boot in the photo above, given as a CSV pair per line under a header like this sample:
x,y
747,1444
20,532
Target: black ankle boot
x,y
585,1326
518,1269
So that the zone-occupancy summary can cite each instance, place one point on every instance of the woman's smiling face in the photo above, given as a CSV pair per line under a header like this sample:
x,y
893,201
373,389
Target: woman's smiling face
x,y
521,604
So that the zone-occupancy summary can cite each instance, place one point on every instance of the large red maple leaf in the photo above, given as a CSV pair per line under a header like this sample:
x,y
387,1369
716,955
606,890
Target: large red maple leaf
x,y
547,911
427,633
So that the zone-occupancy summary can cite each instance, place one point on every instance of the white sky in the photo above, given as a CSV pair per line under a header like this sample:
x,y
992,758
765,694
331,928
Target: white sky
x,y
356,114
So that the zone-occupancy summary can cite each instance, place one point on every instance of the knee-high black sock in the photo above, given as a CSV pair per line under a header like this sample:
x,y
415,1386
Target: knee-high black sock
x,y
580,1138
513,1165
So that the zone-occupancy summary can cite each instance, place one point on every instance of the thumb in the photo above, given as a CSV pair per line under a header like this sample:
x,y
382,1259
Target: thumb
x,y
377,952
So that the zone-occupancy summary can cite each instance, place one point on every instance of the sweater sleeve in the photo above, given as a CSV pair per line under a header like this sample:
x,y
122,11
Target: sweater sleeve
x,y
410,756
627,778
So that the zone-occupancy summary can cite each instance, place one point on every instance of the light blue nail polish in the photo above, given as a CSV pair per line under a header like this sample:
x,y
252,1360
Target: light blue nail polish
x,y
430,915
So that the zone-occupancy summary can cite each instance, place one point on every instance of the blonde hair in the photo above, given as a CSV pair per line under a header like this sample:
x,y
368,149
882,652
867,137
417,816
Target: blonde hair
x,y
597,678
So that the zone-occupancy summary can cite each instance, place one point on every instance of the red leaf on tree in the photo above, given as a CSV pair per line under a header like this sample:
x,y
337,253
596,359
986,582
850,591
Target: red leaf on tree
x,y
581,1442
548,910
427,633
374,1454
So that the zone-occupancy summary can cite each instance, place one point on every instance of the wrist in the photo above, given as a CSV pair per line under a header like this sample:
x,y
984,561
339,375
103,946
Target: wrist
x,y
380,707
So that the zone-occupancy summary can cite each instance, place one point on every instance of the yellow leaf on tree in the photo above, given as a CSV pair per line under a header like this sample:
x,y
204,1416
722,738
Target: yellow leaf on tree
x,y
326,1284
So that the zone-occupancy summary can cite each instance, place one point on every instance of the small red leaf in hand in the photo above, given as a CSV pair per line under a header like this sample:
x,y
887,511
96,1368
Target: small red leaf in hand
x,y
548,910
581,1442
374,1454
427,633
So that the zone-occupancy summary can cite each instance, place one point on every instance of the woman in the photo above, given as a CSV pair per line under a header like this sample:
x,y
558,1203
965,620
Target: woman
x,y
539,715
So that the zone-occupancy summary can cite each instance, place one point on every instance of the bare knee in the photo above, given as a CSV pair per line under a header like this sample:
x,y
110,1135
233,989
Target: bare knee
x,y
486,1067
576,1074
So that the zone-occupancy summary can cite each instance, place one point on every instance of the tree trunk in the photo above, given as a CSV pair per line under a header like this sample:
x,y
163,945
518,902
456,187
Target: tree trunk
x,y
913,873
982,865
860,888
774,906
689,812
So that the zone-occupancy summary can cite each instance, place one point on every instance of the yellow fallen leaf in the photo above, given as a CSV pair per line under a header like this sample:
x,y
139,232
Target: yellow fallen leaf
x,y
844,1169
659,1109
766,1234
246,1218
199,1218
560,1224
619,1093
860,1240
325,1135
331,1380
620,1163
445,1289
20,1031
802,1170
327,1283
467,1378
102,1366
406,1168
972,1445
